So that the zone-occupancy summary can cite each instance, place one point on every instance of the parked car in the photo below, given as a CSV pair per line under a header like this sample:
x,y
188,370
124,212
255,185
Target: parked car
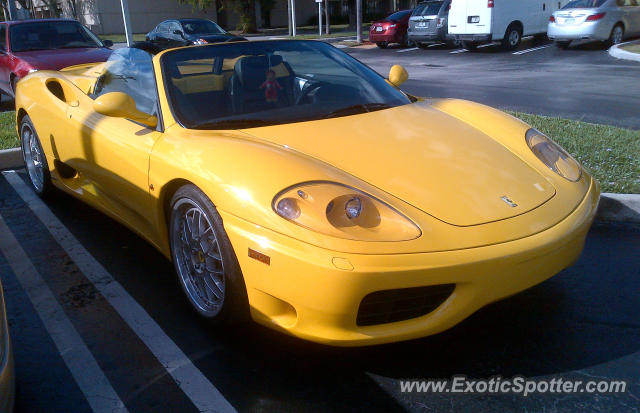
x,y
392,29
428,23
294,185
474,22
605,20
185,32
49,44
7,372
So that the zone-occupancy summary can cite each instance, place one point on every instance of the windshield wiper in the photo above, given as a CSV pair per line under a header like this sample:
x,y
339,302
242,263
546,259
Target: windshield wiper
x,y
359,108
231,124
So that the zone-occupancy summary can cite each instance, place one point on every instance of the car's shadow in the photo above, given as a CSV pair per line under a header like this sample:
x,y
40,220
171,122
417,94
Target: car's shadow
x,y
583,317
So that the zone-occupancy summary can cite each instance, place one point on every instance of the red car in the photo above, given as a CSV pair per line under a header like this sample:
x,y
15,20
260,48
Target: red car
x,y
393,29
49,44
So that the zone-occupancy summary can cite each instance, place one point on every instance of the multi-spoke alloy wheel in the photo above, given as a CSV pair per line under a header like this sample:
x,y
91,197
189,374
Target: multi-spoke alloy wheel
x,y
34,159
203,257
198,258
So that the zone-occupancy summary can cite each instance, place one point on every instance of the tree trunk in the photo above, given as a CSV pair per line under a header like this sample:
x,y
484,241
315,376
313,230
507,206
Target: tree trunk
x,y
326,17
352,14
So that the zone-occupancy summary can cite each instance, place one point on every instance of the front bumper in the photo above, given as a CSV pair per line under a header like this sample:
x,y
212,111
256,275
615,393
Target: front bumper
x,y
585,31
315,294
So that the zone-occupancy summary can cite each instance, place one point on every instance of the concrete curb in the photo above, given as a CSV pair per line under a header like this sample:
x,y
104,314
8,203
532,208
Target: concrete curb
x,y
11,159
612,208
619,208
619,53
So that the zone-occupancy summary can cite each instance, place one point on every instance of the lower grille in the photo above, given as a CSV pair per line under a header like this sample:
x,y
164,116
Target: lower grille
x,y
389,306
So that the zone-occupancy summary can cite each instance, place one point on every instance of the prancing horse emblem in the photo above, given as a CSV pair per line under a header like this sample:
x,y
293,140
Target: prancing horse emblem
x,y
508,201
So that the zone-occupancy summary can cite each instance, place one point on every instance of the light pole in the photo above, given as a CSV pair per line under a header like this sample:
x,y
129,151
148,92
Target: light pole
x,y
293,17
127,22
359,21
319,17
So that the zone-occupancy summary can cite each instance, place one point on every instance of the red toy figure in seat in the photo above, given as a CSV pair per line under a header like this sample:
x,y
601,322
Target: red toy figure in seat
x,y
271,87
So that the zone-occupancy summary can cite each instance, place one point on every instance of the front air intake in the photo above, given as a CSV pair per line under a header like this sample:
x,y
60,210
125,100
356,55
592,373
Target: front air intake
x,y
389,306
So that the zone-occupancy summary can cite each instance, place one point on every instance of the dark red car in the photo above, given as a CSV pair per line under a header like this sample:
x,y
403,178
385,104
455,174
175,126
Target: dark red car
x,y
49,44
393,29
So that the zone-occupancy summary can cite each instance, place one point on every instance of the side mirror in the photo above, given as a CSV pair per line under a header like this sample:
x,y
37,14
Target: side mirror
x,y
121,105
107,43
179,33
398,75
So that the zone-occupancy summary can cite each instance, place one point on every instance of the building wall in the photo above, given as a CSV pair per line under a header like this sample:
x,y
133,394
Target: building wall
x,y
145,15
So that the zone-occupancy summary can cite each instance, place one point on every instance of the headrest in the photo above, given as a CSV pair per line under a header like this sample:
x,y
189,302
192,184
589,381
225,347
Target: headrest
x,y
252,71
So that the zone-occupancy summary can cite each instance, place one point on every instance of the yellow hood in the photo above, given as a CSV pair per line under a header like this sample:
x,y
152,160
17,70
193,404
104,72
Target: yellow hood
x,y
437,163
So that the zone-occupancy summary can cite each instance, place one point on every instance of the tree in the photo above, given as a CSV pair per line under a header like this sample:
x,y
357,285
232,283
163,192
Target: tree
x,y
246,9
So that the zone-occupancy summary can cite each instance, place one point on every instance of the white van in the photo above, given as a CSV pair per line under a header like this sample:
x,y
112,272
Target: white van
x,y
482,21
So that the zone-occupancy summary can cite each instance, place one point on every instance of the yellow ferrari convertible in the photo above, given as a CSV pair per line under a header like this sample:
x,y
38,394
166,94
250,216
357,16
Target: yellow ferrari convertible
x,y
291,184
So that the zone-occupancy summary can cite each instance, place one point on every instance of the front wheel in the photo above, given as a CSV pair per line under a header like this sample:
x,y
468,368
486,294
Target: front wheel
x,y
34,159
204,260
382,45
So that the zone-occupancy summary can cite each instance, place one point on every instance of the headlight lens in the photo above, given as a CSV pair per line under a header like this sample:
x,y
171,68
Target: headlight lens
x,y
344,212
552,155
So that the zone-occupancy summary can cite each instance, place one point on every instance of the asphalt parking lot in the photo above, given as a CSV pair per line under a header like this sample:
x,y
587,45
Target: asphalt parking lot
x,y
583,83
98,290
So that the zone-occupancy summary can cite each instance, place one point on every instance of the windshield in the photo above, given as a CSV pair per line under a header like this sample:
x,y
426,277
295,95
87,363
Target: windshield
x,y
51,35
428,9
242,85
584,4
201,27
399,15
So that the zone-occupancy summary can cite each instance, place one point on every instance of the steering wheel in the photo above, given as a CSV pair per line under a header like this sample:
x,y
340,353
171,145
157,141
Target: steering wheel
x,y
307,89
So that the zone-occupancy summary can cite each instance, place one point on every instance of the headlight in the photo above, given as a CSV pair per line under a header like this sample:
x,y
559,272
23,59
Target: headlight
x,y
552,155
344,212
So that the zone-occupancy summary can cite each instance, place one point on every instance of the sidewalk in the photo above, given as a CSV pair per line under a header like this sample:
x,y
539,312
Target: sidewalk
x,y
626,51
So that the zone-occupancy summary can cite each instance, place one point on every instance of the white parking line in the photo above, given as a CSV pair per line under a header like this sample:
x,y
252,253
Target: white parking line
x,y
486,45
459,51
83,367
436,44
533,49
407,50
193,383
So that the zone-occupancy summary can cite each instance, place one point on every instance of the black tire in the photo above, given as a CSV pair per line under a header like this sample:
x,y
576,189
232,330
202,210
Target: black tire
x,y
234,305
616,37
512,37
382,45
451,43
422,45
405,41
564,45
470,46
34,158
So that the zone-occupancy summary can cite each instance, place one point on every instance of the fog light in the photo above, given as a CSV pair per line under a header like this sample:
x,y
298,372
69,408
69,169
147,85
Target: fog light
x,y
288,208
353,207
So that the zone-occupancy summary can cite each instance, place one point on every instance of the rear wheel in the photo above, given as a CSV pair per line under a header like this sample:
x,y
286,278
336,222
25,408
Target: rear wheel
x,y
34,159
450,43
512,37
204,259
563,45
382,45
617,35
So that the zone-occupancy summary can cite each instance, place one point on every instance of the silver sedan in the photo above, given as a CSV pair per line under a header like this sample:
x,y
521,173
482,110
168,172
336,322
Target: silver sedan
x,y
605,20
